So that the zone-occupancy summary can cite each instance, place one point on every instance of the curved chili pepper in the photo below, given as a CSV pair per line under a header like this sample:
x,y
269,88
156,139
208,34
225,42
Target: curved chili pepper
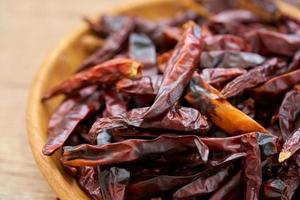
x,y
106,73
178,71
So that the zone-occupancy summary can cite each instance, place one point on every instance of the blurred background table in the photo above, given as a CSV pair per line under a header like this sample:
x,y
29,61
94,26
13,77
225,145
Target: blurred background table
x,y
28,31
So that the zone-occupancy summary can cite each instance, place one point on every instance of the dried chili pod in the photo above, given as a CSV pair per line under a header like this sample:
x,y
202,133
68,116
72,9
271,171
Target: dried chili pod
x,y
290,147
203,185
270,42
235,16
225,42
217,76
177,118
277,86
252,166
163,59
291,178
230,59
223,192
142,49
67,117
116,180
178,72
288,113
147,85
254,77
106,73
225,159
88,180
111,46
273,188
205,98
114,104
126,151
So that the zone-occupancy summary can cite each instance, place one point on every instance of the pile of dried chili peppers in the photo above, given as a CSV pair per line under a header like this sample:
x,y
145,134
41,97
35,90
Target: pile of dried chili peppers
x,y
184,108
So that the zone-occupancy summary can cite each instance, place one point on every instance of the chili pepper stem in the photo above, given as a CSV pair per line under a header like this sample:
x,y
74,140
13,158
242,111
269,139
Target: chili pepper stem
x,y
284,155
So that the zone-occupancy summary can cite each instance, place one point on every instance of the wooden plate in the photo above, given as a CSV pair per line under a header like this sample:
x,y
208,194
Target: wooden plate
x,y
59,65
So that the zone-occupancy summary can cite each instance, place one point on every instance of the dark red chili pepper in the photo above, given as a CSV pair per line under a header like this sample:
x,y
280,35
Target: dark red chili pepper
x,y
288,114
142,49
178,71
230,59
225,42
67,117
106,73
203,185
235,16
133,151
112,45
114,104
177,119
88,180
254,77
290,147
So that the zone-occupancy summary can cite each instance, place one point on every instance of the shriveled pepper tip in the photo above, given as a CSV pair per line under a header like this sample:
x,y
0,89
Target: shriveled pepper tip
x,y
135,69
284,155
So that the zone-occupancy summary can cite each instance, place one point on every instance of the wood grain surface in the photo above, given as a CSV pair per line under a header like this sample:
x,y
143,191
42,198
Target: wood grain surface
x,y
28,31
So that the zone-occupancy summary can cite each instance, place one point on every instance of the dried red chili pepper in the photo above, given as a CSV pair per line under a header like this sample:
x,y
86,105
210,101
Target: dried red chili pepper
x,y
106,73
225,42
203,185
177,118
277,86
178,71
116,180
229,187
288,113
142,49
126,151
217,76
270,42
147,85
111,46
273,188
230,59
88,180
290,147
114,104
252,166
66,118
254,77
205,98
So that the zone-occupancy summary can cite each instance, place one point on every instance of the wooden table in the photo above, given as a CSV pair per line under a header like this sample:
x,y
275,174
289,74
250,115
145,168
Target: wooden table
x,y
29,30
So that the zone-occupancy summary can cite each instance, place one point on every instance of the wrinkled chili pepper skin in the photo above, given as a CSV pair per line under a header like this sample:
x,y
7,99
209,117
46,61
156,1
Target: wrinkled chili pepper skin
x,y
126,151
67,117
229,187
288,113
278,85
114,104
202,186
88,180
111,46
291,146
205,98
178,119
254,77
225,42
144,86
230,59
269,42
217,76
106,73
179,70
252,167
143,50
